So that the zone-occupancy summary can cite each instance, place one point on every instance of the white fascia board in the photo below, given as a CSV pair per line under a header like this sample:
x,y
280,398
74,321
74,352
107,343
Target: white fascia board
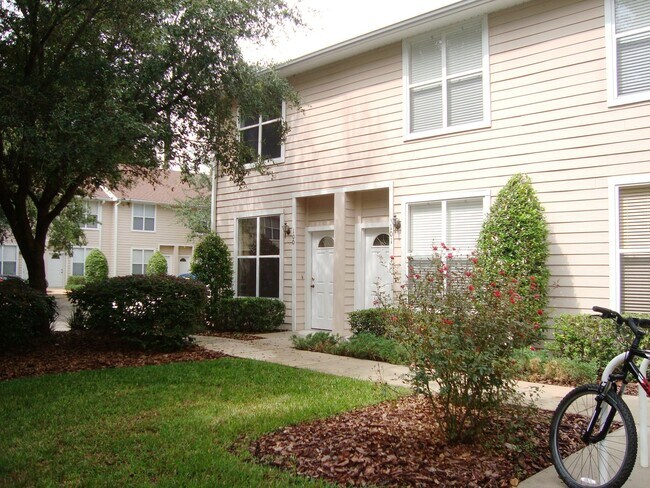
x,y
450,14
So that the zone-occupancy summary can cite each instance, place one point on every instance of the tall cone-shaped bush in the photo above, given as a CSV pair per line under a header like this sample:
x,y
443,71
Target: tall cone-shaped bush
x,y
513,242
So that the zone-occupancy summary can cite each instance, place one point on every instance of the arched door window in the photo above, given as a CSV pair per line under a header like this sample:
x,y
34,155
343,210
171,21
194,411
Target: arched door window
x,y
326,241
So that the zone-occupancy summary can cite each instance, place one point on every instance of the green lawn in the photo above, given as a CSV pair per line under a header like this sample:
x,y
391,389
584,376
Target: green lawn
x,y
174,425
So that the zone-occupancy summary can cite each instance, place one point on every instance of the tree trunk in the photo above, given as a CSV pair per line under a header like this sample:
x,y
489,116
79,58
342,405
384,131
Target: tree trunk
x,y
34,256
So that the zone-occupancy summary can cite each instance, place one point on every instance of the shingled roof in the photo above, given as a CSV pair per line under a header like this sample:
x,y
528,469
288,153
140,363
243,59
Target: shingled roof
x,y
167,191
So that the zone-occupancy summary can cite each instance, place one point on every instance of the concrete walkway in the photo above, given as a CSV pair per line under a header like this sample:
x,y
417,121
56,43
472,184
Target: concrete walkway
x,y
276,348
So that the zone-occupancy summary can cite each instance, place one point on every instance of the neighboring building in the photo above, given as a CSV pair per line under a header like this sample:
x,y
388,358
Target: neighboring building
x,y
408,133
131,225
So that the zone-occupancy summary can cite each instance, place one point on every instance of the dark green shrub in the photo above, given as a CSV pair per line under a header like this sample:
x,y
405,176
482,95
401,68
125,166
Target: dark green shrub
x,y
513,241
75,282
153,311
246,314
373,320
23,312
211,264
157,264
96,267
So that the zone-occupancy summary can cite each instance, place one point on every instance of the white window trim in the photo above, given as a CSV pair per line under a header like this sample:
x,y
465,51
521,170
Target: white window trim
x,y
613,99
99,211
235,256
487,113
436,197
615,185
155,216
143,250
282,118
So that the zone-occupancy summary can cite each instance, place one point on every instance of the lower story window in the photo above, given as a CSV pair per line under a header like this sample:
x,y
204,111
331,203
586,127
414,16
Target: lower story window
x,y
633,249
455,222
139,260
79,255
9,260
258,257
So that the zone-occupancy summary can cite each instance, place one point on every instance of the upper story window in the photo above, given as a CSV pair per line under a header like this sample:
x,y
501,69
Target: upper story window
x,y
264,133
92,209
144,217
628,50
446,80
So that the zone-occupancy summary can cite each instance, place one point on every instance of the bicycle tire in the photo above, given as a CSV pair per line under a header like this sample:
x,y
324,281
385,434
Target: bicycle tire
x,y
603,464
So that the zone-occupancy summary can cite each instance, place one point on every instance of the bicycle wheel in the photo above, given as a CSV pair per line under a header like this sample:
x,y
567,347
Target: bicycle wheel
x,y
604,463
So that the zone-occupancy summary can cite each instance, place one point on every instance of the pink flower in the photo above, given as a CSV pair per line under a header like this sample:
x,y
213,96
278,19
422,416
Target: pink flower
x,y
497,293
392,257
536,326
394,318
502,273
540,312
532,348
447,322
470,287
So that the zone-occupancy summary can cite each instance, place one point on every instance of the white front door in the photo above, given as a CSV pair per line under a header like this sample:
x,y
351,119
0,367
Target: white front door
x,y
183,265
377,276
55,267
322,280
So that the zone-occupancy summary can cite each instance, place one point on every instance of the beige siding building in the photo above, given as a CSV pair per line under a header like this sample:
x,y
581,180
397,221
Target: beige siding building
x,y
407,134
131,225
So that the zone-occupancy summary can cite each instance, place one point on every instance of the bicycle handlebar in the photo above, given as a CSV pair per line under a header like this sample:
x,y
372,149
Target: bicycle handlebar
x,y
632,322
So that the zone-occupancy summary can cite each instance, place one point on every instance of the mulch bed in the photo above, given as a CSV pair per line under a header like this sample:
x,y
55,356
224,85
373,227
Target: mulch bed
x,y
240,336
79,350
399,443
395,443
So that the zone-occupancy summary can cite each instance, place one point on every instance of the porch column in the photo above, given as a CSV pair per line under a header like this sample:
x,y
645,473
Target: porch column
x,y
339,317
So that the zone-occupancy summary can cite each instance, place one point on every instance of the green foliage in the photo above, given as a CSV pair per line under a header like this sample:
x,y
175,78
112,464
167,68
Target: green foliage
x,y
364,345
513,241
152,311
373,320
157,264
317,342
211,264
23,312
245,314
458,331
587,338
542,367
193,211
75,282
66,230
107,93
96,266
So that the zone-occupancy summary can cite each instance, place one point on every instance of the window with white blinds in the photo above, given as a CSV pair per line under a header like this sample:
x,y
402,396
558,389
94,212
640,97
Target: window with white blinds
x,y
634,248
456,223
447,79
628,37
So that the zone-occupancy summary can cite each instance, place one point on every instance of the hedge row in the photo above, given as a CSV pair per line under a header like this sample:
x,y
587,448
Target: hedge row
x,y
23,312
153,311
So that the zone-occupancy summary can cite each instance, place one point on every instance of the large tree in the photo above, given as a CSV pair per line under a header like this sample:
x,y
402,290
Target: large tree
x,y
105,92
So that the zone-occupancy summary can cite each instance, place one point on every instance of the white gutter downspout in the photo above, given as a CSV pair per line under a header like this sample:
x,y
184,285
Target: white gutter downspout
x,y
117,202
213,200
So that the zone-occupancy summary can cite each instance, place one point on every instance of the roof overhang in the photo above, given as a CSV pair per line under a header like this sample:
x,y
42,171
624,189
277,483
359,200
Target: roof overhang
x,y
450,14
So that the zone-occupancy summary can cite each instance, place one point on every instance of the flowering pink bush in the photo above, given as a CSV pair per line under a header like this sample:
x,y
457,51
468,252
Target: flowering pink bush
x,y
460,332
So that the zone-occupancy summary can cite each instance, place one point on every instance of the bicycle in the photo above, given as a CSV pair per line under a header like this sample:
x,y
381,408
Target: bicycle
x,y
594,420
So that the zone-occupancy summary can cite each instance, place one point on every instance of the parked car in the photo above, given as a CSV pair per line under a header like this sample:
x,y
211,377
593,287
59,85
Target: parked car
x,y
8,277
187,276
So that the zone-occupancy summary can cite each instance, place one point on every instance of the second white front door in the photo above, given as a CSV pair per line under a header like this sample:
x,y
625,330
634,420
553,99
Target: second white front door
x,y
322,280
55,267
377,276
